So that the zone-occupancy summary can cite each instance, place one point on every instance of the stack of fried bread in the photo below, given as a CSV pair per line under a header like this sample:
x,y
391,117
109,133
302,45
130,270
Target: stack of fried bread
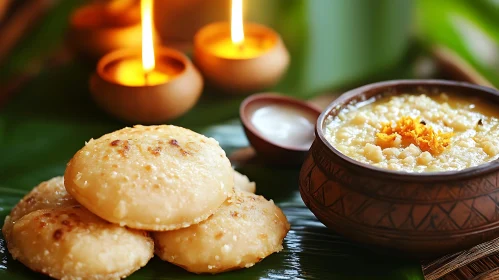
x,y
140,190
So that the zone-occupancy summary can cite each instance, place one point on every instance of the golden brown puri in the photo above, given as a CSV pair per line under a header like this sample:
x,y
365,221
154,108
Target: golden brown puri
x,y
151,177
242,182
72,243
244,230
47,194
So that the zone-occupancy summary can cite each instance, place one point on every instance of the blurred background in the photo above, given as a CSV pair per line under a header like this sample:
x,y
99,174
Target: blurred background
x,y
334,45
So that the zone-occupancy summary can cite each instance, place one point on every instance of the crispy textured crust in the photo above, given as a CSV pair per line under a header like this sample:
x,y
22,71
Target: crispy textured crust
x,y
151,177
242,182
246,229
48,194
72,243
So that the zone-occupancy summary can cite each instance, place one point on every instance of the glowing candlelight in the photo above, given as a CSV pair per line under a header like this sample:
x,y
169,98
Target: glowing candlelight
x,y
135,72
149,85
237,28
240,57
148,62
239,46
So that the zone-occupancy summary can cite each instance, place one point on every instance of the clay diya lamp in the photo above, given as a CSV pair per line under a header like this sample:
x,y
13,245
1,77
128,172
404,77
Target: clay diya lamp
x,y
99,28
280,128
152,86
416,215
239,58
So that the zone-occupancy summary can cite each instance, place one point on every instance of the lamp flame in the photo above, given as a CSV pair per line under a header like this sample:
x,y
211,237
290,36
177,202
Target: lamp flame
x,y
148,62
237,29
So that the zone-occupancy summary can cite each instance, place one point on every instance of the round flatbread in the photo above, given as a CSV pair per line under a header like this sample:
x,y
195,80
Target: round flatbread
x,y
48,194
246,229
242,182
72,243
151,177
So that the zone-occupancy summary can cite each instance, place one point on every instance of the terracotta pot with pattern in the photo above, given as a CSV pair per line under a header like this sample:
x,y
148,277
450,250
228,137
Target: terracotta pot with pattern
x,y
417,215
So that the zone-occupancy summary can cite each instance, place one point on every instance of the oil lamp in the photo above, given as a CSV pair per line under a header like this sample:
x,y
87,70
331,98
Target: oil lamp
x,y
148,86
240,57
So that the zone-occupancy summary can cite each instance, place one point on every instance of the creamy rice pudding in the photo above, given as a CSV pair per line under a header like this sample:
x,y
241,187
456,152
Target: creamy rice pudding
x,y
418,133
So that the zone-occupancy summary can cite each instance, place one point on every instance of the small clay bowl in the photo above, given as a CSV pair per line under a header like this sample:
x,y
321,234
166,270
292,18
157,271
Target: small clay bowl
x,y
417,215
288,151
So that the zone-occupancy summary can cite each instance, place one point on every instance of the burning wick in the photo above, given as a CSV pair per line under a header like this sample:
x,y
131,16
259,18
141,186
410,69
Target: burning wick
x,y
146,77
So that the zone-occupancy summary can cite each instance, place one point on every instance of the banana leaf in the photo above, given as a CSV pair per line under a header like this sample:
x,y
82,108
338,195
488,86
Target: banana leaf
x,y
467,28
52,116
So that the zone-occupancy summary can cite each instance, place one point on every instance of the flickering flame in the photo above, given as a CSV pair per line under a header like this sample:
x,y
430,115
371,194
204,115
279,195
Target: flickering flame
x,y
237,30
148,62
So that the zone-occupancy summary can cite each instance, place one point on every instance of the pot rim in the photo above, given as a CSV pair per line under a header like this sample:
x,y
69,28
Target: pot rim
x,y
127,53
218,27
475,171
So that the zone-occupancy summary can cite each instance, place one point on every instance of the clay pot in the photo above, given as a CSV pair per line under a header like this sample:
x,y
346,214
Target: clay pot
x,y
416,215
149,104
96,29
240,76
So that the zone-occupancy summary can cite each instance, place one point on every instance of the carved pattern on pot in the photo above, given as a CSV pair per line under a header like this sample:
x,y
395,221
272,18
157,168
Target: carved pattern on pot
x,y
455,206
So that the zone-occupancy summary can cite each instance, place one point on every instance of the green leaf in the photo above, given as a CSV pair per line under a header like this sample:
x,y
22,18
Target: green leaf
x,y
468,28
44,37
